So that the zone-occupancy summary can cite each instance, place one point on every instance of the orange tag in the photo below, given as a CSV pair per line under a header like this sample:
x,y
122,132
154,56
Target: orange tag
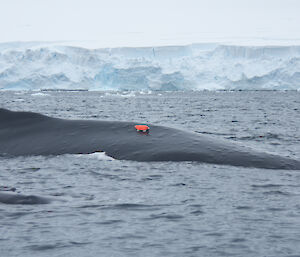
x,y
143,128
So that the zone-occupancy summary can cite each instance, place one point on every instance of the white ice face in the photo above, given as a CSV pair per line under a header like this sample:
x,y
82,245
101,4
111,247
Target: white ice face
x,y
34,66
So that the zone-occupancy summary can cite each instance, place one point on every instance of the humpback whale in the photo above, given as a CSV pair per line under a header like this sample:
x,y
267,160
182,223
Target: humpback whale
x,y
28,133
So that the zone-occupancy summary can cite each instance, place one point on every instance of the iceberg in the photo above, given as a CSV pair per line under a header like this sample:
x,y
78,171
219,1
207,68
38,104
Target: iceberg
x,y
206,66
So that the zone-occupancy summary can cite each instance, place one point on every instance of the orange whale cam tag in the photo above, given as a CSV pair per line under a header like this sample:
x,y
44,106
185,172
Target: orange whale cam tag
x,y
142,128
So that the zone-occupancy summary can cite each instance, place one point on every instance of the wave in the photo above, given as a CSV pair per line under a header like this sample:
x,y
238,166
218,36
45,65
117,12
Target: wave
x,y
191,67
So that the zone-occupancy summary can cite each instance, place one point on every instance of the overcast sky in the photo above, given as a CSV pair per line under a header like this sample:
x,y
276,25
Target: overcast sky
x,y
146,22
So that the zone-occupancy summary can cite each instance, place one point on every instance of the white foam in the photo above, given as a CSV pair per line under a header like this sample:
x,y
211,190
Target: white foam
x,y
99,156
147,92
39,94
120,94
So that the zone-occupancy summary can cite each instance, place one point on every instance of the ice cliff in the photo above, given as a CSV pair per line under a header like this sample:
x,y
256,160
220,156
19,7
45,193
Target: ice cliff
x,y
25,66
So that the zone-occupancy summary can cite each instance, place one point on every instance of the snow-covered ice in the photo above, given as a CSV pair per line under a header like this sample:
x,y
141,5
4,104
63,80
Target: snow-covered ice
x,y
205,66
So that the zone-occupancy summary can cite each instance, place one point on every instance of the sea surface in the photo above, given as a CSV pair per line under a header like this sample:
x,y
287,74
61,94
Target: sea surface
x,y
105,207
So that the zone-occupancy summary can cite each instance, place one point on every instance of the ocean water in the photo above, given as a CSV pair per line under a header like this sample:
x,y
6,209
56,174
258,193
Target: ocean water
x,y
105,207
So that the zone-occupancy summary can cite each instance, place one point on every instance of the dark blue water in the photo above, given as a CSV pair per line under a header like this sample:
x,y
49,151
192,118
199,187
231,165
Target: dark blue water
x,y
103,207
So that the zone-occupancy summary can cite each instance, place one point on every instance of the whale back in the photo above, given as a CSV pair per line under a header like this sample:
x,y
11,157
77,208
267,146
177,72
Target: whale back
x,y
26,133
7,116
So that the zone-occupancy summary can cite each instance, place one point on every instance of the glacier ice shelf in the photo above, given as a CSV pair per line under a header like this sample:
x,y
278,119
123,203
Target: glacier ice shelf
x,y
206,66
